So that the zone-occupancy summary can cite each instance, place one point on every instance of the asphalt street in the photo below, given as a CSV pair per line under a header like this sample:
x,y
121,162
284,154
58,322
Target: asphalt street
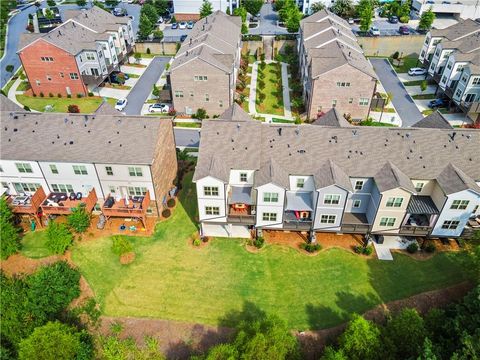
x,y
268,22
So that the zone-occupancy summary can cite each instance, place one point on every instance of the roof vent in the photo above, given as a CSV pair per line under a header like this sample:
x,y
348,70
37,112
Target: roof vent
x,y
354,132
297,131
407,135
65,120
15,129
71,142
119,121
280,131
452,136
238,126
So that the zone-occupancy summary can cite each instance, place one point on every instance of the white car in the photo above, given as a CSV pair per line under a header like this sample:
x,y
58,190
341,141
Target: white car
x,y
417,71
120,105
374,31
161,108
182,25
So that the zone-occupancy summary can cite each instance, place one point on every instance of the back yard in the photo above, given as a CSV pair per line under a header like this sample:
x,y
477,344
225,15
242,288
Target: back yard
x,y
171,279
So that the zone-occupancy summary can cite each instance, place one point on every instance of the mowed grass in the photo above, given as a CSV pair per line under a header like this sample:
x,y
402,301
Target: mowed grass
x,y
273,102
171,279
406,63
33,245
85,104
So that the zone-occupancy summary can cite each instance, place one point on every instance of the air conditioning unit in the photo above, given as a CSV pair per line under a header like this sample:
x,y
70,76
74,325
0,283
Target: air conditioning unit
x,y
254,212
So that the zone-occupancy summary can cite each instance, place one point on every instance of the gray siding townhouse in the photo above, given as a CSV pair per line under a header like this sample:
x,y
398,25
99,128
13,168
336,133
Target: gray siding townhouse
x,y
333,68
204,71
452,57
327,177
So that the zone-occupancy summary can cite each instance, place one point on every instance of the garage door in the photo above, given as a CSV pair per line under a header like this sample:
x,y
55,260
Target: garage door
x,y
226,230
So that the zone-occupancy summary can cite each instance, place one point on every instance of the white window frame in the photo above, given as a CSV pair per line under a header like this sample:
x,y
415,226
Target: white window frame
x,y
356,203
137,190
211,191
300,183
109,170
212,210
359,185
387,221
328,219
24,168
53,169
25,187
269,216
135,171
459,204
419,186
331,199
395,202
450,224
243,177
270,197
63,188
80,169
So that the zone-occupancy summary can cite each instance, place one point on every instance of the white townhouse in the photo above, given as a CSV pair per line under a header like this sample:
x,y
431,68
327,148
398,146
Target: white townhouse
x,y
421,181
117,156
190,9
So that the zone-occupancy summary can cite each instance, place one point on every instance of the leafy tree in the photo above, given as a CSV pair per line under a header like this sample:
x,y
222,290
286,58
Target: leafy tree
x,y
366,14
10,240
81,3
158,34
9,68
51,3
99,4
316,7
150,12
161,6
200,114
244,29
114,348
427,351
53,340
408,326
242,12
293,21
222,351
343,8
111,3
404,10
145,27
253,6
206,9
137,56
155,91
361,339
79,219
423,85
59,237
331,354
426,20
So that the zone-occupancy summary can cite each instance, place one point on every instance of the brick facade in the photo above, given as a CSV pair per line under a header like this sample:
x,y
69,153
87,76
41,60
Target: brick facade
x,y
325,91
51,76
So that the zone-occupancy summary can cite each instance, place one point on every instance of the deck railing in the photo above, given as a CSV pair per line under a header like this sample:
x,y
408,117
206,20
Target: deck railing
x,y
89,202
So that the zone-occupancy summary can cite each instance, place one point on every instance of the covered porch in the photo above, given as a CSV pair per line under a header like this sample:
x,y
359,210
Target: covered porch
x,y
355,223
298,211
60,203
241,205
127,207
421,216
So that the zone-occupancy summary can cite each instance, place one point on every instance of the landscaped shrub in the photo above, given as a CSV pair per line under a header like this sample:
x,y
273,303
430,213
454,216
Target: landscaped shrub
x,y
73,109
79,95
90,94
196,242
259,242
121,245
50,94
79,219
10,240
311,247
430,248
200,114
171,203
26,108
148,51
358,249
59,237
395,55
59,95
69,96
166,213
368,250
404,19
412,248
41,94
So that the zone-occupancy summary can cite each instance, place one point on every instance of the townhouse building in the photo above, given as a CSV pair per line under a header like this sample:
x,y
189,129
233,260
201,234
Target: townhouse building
x,y
452,57
333,69
466,9
306,5
205,68
77,55
117,156
420,181
190,9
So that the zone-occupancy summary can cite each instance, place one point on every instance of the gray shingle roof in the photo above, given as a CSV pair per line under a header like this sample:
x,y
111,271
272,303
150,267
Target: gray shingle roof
x,y
96,19
8,105
391,177
418,153
96,138
457,31
433,121
235,113
271,172
332,174
332,118
453,180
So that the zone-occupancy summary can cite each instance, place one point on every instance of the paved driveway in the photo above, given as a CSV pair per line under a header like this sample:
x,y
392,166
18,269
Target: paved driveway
x,y
268,22
139,93
404,104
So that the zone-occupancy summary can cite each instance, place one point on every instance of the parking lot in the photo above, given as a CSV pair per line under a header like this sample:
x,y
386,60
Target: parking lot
x,y
386,28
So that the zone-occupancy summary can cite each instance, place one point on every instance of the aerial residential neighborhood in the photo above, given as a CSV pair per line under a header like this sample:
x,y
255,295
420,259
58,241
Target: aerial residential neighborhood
x,y
240,179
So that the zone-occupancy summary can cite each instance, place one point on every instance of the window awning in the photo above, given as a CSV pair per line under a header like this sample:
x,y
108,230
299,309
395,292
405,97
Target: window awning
x,y
241,195
300,201
422,205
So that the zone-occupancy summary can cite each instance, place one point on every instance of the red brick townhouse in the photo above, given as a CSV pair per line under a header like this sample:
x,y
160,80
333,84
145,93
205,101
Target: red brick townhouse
x,y
74,56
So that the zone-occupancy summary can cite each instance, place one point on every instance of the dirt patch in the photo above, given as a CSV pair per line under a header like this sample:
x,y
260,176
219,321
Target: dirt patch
x,y
18,264
127,258
112,227
440,246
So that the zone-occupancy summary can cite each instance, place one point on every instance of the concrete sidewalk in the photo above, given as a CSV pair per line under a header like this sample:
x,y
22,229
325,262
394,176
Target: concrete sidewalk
x,y
287,108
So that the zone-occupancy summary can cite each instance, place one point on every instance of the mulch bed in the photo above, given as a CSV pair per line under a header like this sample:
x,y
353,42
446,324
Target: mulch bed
x,y
127,258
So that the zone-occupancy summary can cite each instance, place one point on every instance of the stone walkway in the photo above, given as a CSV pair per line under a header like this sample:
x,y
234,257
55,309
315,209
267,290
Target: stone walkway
x,y
286,94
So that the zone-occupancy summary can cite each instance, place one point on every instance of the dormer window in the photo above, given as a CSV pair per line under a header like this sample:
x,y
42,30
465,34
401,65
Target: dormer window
x,y
359,185
300,183
243,177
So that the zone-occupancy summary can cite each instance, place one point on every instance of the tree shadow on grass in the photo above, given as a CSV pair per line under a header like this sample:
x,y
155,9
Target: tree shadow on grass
x,y
187,197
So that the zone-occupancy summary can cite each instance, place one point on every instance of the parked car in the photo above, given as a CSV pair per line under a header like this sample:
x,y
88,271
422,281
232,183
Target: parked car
x,y
183,37
431,2
417,71
437,103
120,105
404,30
119,12
174,26
393,20
374,31
159,108
446,2
351,21
190,25
182,25
115,78
160,20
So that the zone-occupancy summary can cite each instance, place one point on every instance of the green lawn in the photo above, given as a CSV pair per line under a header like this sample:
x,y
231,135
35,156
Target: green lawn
x,y
24,86
283,121
413,83
86,104
424,96
376,123
408,62
188,124
273,102
170,279
33,245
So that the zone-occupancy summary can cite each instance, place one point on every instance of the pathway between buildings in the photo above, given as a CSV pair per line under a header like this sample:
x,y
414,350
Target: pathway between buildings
x,y
404,104
12,92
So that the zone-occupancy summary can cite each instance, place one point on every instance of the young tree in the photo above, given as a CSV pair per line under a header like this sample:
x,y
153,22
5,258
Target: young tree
x,y
111,3
206,9
155,91
161,6
423,85
145,27
158,34
51,341
426,20
79,219
331,354
59,238
409,325
253,6
81,3
242,12
342,8
293,20
150,12
366,15
318,6
427,351
51,3
361,339
9,68
10,239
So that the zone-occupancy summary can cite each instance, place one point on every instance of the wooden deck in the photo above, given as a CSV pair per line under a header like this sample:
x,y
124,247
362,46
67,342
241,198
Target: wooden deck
x,y
135,209
66,206
32,208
